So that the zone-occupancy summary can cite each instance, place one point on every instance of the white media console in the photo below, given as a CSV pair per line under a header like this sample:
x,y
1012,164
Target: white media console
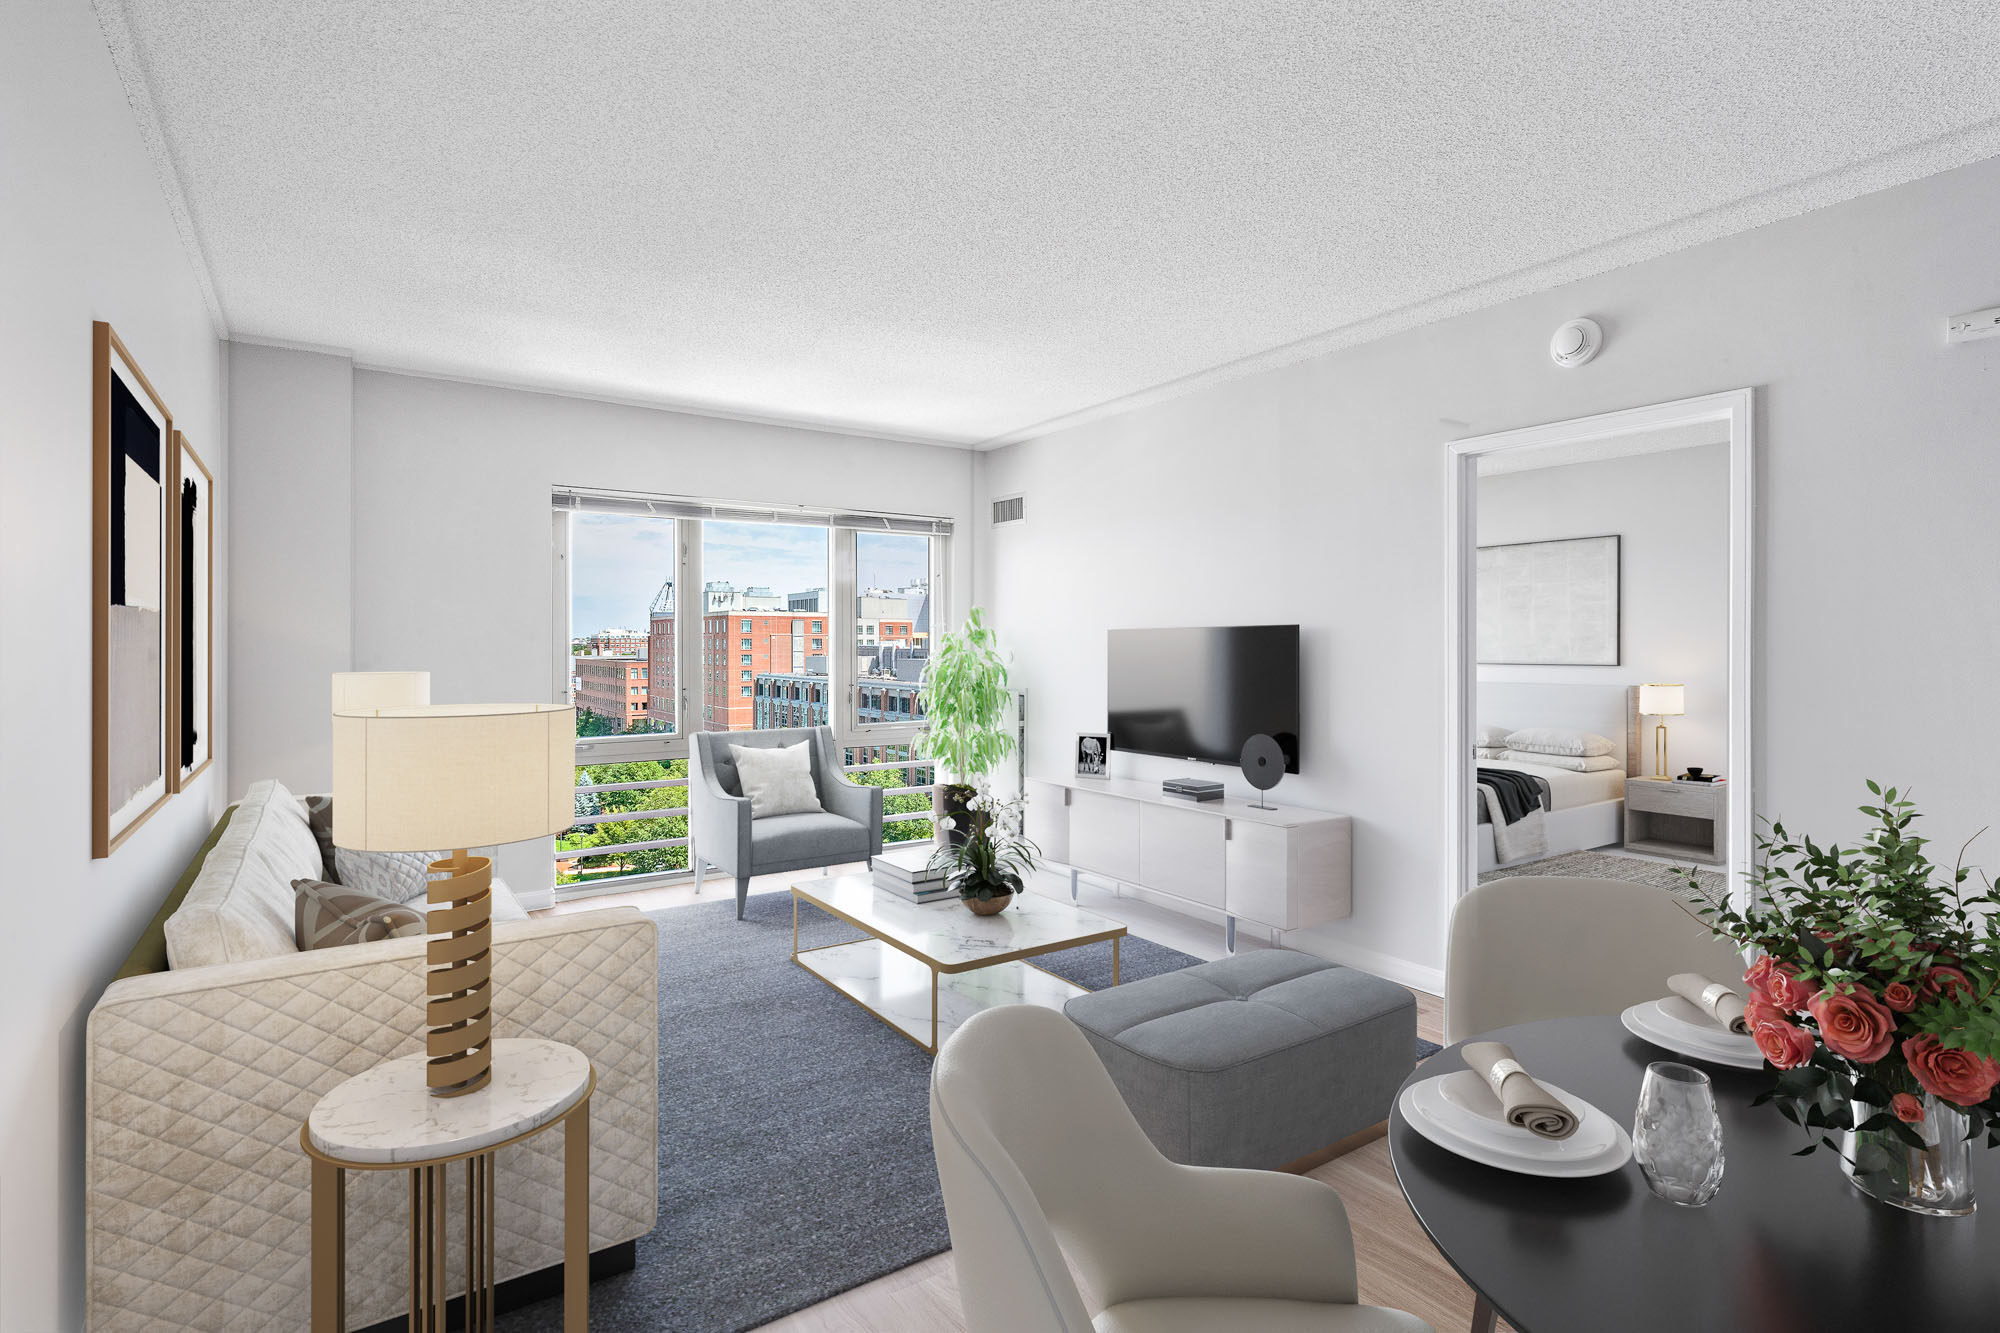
x,y
1287,869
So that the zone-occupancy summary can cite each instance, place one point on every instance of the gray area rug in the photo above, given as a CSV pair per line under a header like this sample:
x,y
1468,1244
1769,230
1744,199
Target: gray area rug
x,y
1609,865
795,1141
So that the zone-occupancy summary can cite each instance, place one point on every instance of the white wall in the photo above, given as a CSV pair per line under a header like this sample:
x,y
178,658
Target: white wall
x,y
1315,492
1671,511
446,565
291,417
85,234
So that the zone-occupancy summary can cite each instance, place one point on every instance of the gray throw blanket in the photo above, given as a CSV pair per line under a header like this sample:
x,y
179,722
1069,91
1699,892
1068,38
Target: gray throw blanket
x,y
1519,832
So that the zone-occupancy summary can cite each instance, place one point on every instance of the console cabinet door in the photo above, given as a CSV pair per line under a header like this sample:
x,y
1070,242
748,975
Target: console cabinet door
x,y
1259,873
1048,820
1104,835
1180,852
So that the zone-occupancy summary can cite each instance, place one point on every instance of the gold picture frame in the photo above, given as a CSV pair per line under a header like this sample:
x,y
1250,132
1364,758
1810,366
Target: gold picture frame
x,y
132,442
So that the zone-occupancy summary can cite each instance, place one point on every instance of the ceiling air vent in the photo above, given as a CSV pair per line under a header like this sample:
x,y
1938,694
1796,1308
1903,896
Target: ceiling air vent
x,y
1010,509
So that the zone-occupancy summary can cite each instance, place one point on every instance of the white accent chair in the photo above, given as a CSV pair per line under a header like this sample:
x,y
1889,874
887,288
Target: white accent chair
x,y
1545,946
1040,1159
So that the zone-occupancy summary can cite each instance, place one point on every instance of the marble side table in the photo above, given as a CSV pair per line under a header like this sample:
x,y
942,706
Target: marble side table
x,y
386,1120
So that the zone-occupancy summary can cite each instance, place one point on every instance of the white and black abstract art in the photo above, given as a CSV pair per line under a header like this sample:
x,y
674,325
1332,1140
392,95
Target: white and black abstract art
x,y
131,706
1553,603
193,632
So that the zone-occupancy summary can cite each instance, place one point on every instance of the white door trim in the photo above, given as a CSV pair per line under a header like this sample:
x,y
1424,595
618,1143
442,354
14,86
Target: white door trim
x,y
1737,409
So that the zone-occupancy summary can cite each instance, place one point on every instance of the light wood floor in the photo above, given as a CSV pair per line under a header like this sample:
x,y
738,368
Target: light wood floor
x,y
1398,1264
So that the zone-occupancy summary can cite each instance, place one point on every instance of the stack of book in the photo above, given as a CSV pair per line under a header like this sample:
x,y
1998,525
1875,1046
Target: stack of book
x,y
907,871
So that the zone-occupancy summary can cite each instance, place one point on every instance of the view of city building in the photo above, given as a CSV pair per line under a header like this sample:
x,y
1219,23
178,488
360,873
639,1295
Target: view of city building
x,y
612,686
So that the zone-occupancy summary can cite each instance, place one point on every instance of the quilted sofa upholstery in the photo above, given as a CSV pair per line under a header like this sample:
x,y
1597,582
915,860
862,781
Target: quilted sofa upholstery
x,y
197,1195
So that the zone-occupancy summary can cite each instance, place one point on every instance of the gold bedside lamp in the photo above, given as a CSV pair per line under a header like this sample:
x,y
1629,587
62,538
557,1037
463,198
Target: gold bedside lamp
x,y
1663,702
421,776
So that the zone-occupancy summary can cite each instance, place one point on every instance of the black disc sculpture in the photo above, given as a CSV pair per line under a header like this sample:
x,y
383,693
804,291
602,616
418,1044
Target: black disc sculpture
x,y
1263,764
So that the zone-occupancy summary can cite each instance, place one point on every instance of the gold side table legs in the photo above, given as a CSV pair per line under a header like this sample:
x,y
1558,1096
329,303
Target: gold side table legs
x,y
430,1265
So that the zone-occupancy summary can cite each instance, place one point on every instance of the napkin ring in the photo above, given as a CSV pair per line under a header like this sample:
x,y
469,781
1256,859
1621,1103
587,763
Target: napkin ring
x,y
1713,994
1503,1070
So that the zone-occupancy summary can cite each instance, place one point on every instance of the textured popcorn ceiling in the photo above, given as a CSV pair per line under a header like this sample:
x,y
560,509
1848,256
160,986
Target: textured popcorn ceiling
x,y
954,221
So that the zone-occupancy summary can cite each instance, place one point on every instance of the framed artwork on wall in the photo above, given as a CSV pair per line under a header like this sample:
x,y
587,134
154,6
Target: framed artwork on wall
x,y
192,513
1553,603
1093,755
131,611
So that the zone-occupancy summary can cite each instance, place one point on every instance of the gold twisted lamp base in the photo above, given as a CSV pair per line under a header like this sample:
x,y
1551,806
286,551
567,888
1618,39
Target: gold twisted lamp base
x,y
459,1040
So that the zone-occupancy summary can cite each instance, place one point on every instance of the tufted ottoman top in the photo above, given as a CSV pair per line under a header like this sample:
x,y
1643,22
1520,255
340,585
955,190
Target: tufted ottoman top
x,y
1236,1010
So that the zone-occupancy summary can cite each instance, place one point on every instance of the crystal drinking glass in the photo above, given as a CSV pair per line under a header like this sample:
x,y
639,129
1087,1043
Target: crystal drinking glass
x,y
1677,1135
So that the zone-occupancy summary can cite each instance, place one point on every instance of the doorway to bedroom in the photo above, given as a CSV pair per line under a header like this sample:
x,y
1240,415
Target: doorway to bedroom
x,y
1600,662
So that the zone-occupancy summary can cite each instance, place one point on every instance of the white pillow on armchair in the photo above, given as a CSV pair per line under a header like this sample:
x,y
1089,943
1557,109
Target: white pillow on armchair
x,y
777,779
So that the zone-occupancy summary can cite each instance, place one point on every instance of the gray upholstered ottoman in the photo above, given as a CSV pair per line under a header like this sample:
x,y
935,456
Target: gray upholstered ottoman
x,y
1255,1060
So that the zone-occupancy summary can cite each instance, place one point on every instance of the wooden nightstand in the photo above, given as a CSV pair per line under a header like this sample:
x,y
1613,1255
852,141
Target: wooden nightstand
x,y
1688,820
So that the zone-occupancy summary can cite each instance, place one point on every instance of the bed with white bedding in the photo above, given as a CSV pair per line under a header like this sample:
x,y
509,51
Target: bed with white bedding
x,y
1580,810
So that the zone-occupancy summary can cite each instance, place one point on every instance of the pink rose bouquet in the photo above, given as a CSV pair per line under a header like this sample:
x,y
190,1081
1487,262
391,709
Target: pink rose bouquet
x,y
1875,988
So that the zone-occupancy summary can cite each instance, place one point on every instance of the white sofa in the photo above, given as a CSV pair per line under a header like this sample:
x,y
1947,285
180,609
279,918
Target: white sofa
x,y
197,1195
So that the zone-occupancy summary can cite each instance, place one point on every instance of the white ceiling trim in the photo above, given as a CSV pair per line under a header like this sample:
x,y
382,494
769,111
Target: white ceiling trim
x,y
663,404
139,95
1960,148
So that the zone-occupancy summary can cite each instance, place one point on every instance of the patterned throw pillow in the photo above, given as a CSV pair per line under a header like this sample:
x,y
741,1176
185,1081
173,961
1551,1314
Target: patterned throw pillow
x,y
400,877
330,915
319,818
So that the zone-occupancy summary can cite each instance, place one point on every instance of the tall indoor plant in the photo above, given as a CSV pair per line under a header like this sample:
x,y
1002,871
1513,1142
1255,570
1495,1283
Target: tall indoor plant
x,y
964,699
1873,992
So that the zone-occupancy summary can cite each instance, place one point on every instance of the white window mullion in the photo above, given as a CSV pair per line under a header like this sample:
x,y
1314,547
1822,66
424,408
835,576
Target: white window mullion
x,y
840,620
559,614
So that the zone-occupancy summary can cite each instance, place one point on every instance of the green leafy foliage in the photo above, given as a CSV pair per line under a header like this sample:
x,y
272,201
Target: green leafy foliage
x,y
996,857
964,699
1871,917
657,813
900,830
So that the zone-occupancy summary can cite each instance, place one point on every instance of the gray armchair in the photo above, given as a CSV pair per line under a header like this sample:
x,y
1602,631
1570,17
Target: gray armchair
x,y
725,836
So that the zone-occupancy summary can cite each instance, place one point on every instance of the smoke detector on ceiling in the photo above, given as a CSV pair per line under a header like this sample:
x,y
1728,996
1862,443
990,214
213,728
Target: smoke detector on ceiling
x,y
1575,343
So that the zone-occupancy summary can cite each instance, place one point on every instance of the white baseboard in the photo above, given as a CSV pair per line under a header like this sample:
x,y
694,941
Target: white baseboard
x,y
535,902
1402,971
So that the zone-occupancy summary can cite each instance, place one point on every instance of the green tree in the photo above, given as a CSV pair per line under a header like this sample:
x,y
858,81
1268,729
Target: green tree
x,y
589,723
893,829
645,826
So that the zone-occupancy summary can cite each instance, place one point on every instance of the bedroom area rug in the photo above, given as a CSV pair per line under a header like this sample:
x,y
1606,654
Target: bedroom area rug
x,y
1610,865
795,1149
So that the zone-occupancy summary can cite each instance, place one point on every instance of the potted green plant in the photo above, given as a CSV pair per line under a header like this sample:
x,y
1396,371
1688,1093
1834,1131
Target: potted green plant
x,y
964,699
994,859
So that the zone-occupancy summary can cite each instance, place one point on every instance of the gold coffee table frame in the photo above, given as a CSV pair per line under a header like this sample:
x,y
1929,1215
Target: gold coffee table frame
x,y
1115,934
430,1269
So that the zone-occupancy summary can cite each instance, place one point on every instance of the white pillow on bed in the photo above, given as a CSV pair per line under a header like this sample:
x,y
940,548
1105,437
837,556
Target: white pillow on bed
x,y
1492,738
1548,740
1489,752
1575,763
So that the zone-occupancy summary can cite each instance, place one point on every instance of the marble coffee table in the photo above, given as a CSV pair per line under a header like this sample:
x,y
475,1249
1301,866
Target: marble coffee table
x,y
925,968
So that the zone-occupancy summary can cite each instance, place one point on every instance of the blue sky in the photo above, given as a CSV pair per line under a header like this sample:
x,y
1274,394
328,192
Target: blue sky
x,y
618,562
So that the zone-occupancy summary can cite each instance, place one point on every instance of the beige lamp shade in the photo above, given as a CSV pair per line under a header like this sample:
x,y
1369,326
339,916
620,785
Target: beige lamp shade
x,y
414,779
354,691
1663,700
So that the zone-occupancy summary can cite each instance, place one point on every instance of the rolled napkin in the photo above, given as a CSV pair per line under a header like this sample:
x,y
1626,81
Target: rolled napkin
x,y
1523,1101
1713,998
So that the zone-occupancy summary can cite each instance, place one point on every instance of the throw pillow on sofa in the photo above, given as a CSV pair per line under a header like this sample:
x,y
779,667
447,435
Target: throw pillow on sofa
x,y
398,876
330,915
777,779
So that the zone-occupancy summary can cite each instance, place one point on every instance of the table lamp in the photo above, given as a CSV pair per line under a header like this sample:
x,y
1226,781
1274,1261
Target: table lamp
x,y
413,777
355,690
1663,702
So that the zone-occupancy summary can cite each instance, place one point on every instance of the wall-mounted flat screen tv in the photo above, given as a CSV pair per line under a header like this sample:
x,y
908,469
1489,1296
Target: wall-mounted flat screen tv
x,y
1200,693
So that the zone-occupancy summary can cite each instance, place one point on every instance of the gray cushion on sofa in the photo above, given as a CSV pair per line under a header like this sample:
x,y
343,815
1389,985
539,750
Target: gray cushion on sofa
x,y
1253,1060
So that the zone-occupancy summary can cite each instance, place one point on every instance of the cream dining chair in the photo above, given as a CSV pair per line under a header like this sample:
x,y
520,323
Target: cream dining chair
x,y
1544,946
1040,1159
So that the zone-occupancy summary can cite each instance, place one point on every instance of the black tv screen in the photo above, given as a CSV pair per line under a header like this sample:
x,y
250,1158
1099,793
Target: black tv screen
x,y
1200,693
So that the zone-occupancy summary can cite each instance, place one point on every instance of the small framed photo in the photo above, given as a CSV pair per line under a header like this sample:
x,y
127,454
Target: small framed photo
x,y
1093,755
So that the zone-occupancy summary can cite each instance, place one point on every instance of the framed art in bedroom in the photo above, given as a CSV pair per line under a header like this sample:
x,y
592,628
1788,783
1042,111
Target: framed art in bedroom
x,y
192,654
1093,754
131,612
1550,603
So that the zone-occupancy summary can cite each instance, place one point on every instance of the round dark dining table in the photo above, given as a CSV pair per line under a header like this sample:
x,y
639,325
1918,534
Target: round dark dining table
x,y
1787,1245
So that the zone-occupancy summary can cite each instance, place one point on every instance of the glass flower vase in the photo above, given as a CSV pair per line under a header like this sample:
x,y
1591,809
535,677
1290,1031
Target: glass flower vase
x,y
1935,1180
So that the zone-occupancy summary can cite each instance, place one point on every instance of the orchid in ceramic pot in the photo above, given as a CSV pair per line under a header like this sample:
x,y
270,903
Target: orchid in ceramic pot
x,y
1873,993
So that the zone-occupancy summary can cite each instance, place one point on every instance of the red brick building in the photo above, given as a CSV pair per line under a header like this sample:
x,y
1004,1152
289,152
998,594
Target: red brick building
x,y
736,648
614,688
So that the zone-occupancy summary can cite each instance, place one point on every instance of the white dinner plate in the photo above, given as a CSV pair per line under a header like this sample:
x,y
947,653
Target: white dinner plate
x,y
1459,1113
1663,1027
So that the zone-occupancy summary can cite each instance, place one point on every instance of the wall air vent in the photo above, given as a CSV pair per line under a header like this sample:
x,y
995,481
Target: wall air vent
x,y
1010,509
